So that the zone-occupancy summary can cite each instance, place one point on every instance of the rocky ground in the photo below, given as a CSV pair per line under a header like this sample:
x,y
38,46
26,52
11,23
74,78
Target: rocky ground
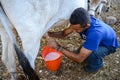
x,y
70,70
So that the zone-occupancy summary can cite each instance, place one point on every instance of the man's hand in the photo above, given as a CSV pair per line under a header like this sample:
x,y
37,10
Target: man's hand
x,y
52,43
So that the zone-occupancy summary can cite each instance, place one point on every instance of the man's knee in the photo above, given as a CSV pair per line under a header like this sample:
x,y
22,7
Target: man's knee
x,y
92,58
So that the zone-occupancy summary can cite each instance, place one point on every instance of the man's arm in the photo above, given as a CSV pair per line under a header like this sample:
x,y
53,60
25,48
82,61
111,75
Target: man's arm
x,y
84,53
61,34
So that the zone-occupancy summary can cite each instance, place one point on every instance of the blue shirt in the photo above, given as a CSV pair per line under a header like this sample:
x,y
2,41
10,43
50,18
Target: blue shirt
x,y
99,34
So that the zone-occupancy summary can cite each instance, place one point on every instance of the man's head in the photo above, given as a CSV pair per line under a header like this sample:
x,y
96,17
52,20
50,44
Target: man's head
x,y
80,20
80,16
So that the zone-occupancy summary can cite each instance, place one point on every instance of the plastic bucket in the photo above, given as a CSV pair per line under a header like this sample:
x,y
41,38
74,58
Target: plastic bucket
x,y
52,58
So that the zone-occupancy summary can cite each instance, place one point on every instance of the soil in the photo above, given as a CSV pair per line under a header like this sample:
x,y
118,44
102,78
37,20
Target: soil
x,y
70,70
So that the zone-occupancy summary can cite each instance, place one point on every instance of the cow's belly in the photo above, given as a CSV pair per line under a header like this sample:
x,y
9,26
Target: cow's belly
x,y
37,16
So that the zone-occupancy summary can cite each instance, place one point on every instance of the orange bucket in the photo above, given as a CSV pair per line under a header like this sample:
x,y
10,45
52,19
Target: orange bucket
x,y
52,58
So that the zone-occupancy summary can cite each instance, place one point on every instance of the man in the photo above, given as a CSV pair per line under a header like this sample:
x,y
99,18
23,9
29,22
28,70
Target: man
x,y
101,40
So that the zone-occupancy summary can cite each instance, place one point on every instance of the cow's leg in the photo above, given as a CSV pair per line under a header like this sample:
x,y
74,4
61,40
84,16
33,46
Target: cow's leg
x,y
108,5
31,46
8,56
99,10
100,7
93,6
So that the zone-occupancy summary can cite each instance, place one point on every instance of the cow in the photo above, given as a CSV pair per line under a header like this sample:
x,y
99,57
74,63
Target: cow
x,y
32,19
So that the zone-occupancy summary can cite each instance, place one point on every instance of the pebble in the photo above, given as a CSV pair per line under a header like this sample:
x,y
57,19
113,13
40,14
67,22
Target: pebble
x,y
117,62
100,78
106,74
116,70
40,71
101,72
117,55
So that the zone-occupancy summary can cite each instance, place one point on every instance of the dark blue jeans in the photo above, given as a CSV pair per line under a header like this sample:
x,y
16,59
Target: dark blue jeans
x,y
94,60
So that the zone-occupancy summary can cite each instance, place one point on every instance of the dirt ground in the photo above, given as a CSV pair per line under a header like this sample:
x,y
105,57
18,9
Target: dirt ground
x,y
70,70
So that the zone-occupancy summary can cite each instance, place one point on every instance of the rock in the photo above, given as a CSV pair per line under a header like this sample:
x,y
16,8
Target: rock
x,y
101,72
111,20
100,78
116,61
40,71
106,74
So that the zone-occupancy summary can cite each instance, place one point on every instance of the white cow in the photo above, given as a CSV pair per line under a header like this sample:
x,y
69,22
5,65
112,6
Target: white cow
x,y
32,19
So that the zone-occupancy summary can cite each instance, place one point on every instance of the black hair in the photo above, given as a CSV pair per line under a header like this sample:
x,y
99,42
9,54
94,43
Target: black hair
x,y
80,16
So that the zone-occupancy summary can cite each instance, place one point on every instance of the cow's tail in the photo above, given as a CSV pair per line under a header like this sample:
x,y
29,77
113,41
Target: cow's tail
x,y
27,69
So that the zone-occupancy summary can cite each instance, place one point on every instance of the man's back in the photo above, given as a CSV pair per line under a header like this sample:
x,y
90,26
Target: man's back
x,y
100,34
